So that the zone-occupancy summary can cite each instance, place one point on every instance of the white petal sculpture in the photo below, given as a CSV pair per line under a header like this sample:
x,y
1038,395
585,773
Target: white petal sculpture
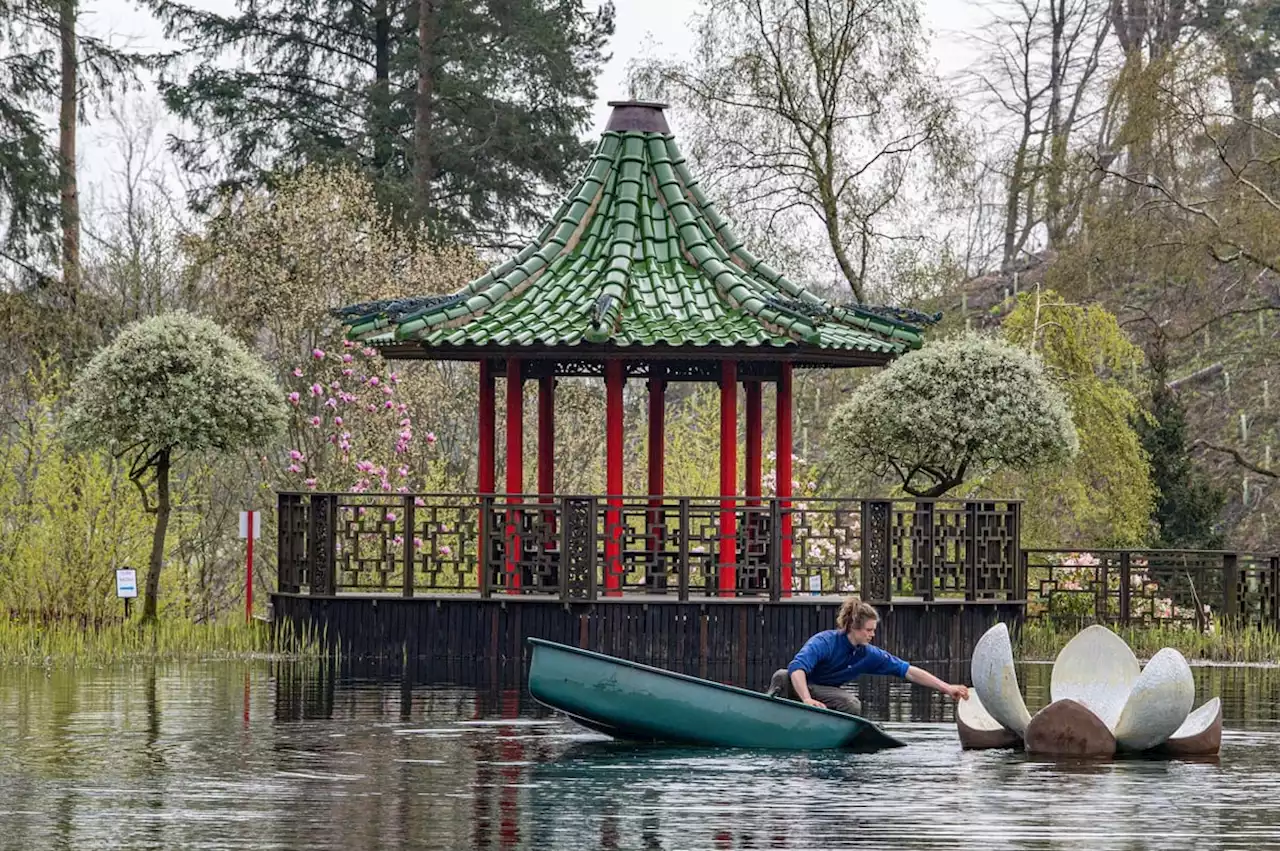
x,y
1200,734
1096,668
1101,701
1158,704
1200,720
978,730
996,681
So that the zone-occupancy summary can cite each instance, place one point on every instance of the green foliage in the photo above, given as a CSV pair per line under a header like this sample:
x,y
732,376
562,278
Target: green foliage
x,y
491,114
67,521
1253,644
66,644
173,382
953,410
1104,497
1187,504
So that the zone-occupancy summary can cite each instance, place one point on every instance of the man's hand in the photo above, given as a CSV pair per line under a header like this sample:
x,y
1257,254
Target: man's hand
x,y
813,701
957,692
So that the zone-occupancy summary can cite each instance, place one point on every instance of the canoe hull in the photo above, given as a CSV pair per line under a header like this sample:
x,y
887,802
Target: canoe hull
x,y
636,702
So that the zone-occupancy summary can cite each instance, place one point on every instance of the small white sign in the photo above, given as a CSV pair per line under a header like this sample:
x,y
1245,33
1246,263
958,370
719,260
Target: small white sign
x,y
815,586
244,524
126,582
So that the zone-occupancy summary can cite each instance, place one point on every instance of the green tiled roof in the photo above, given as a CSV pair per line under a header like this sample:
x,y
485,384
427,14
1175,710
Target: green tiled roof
x,y
636,256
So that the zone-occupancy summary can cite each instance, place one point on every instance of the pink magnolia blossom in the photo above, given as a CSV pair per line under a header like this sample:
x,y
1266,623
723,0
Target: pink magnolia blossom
x,y
402,471
395,379
391,517
310,483
446,550
369,352
318,354
315,422
431,437
331,403
373,381
294,397
294,468
347,358
347,344
297,372
348,372
316,389
337,421
388,405
295,455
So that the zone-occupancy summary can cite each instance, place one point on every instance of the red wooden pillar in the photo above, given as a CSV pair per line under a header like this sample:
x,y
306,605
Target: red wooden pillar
x,y
484,468
657,460
484,461
754,419
546,435
782,472
547,451
515,468
613,381
728,477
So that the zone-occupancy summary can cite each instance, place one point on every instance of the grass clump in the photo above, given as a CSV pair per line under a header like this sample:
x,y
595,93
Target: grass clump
x,y
66,642
1042,640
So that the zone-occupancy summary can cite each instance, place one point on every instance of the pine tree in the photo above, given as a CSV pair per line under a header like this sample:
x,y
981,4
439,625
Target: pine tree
x,y
465,115
1187,503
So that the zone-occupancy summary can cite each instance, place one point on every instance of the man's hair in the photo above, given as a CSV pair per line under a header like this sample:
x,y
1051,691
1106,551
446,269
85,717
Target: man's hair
x,y
854,614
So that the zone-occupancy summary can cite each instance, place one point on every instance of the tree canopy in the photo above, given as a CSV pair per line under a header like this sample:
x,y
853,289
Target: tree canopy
x,y
953,410
464,115
1105,496
170,384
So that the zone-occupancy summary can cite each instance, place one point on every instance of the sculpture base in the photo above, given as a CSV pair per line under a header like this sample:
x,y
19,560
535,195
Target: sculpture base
x,y
1068,728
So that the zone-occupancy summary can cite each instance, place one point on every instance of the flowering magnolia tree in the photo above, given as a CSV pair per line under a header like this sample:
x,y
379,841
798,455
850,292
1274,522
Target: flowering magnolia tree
x,y
169,385
953,410
349,429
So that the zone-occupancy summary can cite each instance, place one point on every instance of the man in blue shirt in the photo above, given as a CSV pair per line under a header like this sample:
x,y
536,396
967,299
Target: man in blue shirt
x,y
834,657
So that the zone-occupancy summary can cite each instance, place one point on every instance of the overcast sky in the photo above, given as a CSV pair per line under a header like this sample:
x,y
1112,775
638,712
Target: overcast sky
x,y
643,26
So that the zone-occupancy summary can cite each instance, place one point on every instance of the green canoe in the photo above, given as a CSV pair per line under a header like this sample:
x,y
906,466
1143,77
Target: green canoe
x,y
631,701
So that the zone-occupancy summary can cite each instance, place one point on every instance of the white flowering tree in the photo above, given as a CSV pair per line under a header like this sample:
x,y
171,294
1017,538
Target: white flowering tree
x,y
167,386
951,411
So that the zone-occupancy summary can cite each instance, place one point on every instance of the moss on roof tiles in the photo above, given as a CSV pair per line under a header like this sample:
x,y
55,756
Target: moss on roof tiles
x,y
637,255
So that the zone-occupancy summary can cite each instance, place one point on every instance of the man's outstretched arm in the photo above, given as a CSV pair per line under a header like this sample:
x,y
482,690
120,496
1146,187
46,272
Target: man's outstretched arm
x,y
921,677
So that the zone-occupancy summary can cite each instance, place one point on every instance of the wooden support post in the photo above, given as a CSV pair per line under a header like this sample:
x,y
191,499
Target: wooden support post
x,y
515,470
754,425
728,478
614,379
782,475
655,534
484,459
546,436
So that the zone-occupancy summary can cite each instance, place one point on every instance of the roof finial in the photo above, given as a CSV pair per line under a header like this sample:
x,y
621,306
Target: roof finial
x,y
644,116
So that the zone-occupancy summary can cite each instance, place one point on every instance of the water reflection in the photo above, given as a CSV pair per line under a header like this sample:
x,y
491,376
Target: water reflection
x,y
317,756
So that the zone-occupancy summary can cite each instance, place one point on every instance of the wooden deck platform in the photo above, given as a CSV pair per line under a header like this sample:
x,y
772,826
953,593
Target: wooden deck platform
x,y
733,634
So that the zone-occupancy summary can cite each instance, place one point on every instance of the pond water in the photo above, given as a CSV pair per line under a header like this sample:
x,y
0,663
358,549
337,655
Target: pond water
x,y
290,755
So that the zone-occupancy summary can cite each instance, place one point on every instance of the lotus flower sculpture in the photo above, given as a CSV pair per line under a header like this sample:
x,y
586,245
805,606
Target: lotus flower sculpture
x,y
1101,701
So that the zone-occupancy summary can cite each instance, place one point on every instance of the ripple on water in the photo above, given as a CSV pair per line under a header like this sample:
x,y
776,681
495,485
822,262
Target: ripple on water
x,y
233,756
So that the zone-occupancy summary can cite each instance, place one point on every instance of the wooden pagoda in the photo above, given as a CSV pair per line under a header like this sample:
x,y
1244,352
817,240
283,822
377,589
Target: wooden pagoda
x,y
636,276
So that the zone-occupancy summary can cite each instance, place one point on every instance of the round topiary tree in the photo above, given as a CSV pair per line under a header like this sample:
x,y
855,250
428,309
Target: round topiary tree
x,y
951,410
165,386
